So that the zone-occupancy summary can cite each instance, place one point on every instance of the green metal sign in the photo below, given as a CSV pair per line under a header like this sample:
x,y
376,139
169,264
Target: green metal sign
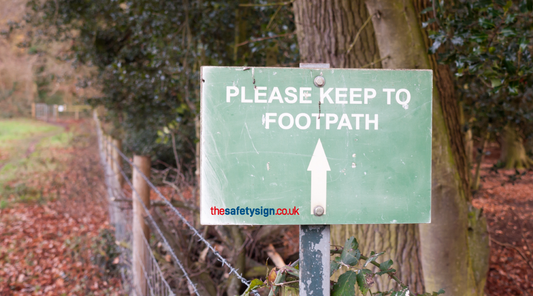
x,y
315,146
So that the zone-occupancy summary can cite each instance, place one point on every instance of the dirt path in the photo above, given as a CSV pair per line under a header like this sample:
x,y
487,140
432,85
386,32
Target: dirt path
x,y
59,242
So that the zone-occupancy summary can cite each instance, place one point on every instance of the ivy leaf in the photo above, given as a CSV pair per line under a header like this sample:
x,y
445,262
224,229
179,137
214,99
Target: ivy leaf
x,y
351,254
527,6
486,23
523,43
495,82
426,10
479,37
508,32
346,284
362,282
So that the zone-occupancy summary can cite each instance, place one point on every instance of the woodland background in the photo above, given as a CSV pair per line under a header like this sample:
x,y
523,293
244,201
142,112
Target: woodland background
x,y
138,62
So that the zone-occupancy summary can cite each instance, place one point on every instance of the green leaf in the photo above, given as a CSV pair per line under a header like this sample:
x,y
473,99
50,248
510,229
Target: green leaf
x,y
508,32
486,23
386,271
495,82
479,37
346,284
333,266
372,257
429,22
351,254
400,293
426,10
523,43
385,265
362,282
256,283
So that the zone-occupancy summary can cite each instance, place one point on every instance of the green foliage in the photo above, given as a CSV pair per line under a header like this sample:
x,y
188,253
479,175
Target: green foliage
x,y
256,283
364,280
357,276
105,253
148,53
345,285
351,254
488,45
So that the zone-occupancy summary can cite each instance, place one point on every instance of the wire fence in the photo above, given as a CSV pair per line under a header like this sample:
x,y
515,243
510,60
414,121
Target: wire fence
x,y
152,280
48,112
45,112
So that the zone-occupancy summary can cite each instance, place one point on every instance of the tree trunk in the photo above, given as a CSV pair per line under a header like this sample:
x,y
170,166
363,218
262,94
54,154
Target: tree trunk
x,y
326,32
514,154
447,262
327,29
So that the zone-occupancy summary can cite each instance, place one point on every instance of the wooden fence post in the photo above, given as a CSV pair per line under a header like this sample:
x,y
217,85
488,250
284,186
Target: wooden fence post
x,y
33,110
55,113
117,164
108,151
140,228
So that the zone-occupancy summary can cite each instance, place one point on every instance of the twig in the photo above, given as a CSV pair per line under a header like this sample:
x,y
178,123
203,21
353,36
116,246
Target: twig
x,y
435,13
516,249
274,16
265,38
359,33
175,151
175,188
156,203
375,62
521,232
286,283
265,5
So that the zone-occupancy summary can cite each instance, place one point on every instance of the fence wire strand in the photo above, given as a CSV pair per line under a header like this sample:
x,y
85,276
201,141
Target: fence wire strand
x,y
158,270
201,238
152,221
175,211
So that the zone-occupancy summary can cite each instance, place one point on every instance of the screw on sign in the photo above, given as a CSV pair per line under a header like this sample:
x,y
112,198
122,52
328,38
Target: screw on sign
x,y
354,150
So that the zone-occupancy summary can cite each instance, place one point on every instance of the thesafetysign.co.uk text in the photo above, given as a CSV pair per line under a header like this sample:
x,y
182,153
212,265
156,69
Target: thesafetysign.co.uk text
x,y
338,96
265,212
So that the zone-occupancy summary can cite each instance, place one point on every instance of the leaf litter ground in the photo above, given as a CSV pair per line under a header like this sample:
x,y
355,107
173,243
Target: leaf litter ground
x,y
507,201
53,212
53,216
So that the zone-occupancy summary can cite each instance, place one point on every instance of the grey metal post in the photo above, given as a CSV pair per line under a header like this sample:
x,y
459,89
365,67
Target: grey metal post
x,y
314,250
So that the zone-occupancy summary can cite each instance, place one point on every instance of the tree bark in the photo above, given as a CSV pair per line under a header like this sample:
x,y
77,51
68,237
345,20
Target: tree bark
x,y
447,262
326,30
514,154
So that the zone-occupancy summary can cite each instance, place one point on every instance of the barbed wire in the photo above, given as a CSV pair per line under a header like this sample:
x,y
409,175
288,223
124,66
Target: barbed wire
x,y
153,262
152,221
166,243
185,221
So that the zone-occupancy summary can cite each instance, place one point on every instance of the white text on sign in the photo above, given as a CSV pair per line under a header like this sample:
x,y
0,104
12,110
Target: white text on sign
x,y
338,96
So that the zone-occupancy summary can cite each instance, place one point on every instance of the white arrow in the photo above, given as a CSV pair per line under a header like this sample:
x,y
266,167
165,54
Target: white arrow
x,y
319,167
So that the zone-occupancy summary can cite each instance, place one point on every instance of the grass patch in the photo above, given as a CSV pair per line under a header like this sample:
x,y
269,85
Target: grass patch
x,y
35,152
21,128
